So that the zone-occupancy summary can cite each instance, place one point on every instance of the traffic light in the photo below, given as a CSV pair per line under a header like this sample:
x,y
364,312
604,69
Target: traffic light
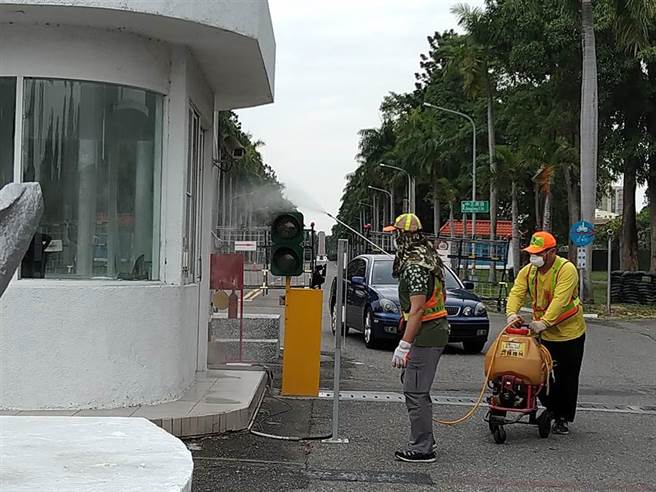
x,y
287,243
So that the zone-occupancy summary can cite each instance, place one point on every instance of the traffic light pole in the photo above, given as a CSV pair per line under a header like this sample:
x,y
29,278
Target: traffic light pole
x,y
342,248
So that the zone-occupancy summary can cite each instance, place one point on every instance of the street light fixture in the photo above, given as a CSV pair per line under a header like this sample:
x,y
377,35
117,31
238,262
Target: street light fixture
x,y
440,108
391,204
411,186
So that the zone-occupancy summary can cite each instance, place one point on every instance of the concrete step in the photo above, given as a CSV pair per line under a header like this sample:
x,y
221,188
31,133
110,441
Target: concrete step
x,y
255,326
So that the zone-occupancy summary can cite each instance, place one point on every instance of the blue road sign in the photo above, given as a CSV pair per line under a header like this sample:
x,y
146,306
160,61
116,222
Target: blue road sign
x,y
582,233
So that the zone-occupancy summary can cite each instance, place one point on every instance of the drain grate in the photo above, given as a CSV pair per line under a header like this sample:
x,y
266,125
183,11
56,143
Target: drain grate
x,y
381,396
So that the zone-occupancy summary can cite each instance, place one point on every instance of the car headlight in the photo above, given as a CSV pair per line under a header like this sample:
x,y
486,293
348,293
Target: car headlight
x,y
480,309
468,311
388,306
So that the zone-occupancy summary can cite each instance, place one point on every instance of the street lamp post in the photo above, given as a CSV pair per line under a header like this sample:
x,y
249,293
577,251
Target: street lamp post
x,y
363,217
440,108
391,210
411,186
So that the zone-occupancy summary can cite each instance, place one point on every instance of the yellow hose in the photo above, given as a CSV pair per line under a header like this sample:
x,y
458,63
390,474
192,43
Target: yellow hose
x,y
473,410
545,355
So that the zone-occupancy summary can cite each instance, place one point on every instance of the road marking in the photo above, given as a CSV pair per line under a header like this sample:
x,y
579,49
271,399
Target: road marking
x,y
386,397
252,295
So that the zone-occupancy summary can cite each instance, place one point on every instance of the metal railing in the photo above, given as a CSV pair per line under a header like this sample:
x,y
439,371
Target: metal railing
x,y
256,263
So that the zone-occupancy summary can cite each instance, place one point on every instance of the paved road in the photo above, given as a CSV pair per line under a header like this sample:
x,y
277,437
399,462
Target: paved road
x,y
607,450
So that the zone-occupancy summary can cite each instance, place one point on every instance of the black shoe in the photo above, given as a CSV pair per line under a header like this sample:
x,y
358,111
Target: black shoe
x,y
415,456
560,427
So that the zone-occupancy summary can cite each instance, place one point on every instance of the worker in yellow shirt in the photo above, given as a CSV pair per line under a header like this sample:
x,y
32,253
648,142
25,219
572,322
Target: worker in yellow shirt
x,y
552,283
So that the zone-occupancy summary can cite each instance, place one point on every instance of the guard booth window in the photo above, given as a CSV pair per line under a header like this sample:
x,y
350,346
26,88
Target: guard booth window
x,y
7,117
191,241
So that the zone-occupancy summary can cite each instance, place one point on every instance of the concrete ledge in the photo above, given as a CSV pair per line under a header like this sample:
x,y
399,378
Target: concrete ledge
x,y
100,454
218,401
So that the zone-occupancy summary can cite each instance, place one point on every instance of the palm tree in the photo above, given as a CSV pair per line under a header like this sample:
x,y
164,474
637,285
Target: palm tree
x,y
635,31
419,150
474,60
515,166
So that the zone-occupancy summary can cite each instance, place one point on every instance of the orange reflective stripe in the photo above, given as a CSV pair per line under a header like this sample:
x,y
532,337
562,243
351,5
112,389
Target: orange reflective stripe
x,y
434,307
437,315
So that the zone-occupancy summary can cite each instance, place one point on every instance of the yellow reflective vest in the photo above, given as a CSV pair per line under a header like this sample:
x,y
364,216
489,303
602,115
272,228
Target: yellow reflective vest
x,y
554,299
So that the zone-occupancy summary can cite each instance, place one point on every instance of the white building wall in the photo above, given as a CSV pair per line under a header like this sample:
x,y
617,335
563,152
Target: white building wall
x,y
89,344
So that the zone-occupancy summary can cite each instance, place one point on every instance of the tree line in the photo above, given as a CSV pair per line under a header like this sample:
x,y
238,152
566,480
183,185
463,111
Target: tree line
x,y
563,95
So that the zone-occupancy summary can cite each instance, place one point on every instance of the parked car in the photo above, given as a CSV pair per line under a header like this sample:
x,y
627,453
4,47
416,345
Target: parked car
x,y
372,304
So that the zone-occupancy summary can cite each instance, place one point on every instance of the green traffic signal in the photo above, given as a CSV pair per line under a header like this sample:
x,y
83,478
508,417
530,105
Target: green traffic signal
x,y
287,245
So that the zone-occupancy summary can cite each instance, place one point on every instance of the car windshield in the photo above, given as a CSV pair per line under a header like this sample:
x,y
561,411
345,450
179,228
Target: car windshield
x,y
382,275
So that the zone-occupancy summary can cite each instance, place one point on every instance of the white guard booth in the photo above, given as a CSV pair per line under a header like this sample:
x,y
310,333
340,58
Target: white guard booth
x,y
109,105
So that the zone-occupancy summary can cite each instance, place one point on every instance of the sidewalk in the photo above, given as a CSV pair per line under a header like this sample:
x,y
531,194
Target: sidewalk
x,y
218,401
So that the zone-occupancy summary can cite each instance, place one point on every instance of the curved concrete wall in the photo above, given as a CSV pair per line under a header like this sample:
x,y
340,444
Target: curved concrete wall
x,y
95,345
85,54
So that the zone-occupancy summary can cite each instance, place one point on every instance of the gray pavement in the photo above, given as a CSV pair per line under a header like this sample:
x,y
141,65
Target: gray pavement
x,y
605,451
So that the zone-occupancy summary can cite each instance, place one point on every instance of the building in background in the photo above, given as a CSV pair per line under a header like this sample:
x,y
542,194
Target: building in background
x,y
610,205
110,105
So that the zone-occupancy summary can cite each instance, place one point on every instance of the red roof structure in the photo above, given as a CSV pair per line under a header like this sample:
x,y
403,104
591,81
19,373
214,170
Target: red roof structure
x,y
504,228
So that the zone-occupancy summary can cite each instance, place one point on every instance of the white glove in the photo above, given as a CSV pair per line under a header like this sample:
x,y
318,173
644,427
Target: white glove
x,y
537,327
401,355
514,319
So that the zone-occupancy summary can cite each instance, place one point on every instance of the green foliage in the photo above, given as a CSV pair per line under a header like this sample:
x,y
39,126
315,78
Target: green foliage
x,y
526,55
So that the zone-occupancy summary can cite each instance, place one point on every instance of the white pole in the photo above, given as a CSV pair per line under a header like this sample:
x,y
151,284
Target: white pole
x,y
610,238
342,248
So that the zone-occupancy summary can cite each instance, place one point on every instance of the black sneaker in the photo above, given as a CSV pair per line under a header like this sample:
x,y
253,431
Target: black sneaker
x,y
560,427
415,456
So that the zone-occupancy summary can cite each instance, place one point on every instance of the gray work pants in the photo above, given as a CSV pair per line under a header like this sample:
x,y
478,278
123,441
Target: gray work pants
x,y
417,381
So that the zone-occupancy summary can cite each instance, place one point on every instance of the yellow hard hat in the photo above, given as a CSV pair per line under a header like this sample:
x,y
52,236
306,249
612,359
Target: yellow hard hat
x,y
405,223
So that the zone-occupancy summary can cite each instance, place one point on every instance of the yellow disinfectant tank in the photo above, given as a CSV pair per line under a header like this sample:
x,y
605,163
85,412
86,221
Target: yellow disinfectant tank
x,y
518,353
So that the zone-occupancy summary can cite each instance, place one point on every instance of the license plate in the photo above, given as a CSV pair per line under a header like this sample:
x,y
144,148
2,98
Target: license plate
x,y
481,332
390,329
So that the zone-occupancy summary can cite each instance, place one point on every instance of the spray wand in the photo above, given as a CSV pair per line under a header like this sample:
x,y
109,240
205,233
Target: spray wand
x,y
356,232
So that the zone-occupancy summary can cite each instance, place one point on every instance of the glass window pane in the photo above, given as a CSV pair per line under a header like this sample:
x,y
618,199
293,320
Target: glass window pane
x,y
7,119
92,147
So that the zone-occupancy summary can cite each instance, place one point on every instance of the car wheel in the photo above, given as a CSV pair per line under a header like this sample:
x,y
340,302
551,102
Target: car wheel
x,y
369,339
473,347
333,321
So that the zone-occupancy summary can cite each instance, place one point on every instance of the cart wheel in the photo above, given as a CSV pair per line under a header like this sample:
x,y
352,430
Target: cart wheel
x,y
499,435
544,428
494,415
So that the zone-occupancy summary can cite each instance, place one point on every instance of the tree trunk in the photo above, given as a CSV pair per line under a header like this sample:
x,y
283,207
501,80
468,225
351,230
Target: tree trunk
x,y
629,232
546,213
491,144
452,231
573,205
589,129
538,214
436,208
515,229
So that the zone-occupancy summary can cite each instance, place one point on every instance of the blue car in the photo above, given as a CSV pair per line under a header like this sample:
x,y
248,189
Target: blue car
x,y
372,305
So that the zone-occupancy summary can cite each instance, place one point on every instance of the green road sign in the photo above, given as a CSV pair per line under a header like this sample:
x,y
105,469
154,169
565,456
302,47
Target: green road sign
x,y
475,207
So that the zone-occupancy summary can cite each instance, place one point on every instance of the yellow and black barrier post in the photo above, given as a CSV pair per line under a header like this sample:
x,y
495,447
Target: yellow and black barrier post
x,y
302,341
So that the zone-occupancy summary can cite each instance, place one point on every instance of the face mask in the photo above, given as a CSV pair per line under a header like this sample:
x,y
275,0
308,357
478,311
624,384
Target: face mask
x,y
537,261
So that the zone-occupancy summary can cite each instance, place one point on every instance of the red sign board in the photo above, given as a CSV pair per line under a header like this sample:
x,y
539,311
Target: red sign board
x,y
227,272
